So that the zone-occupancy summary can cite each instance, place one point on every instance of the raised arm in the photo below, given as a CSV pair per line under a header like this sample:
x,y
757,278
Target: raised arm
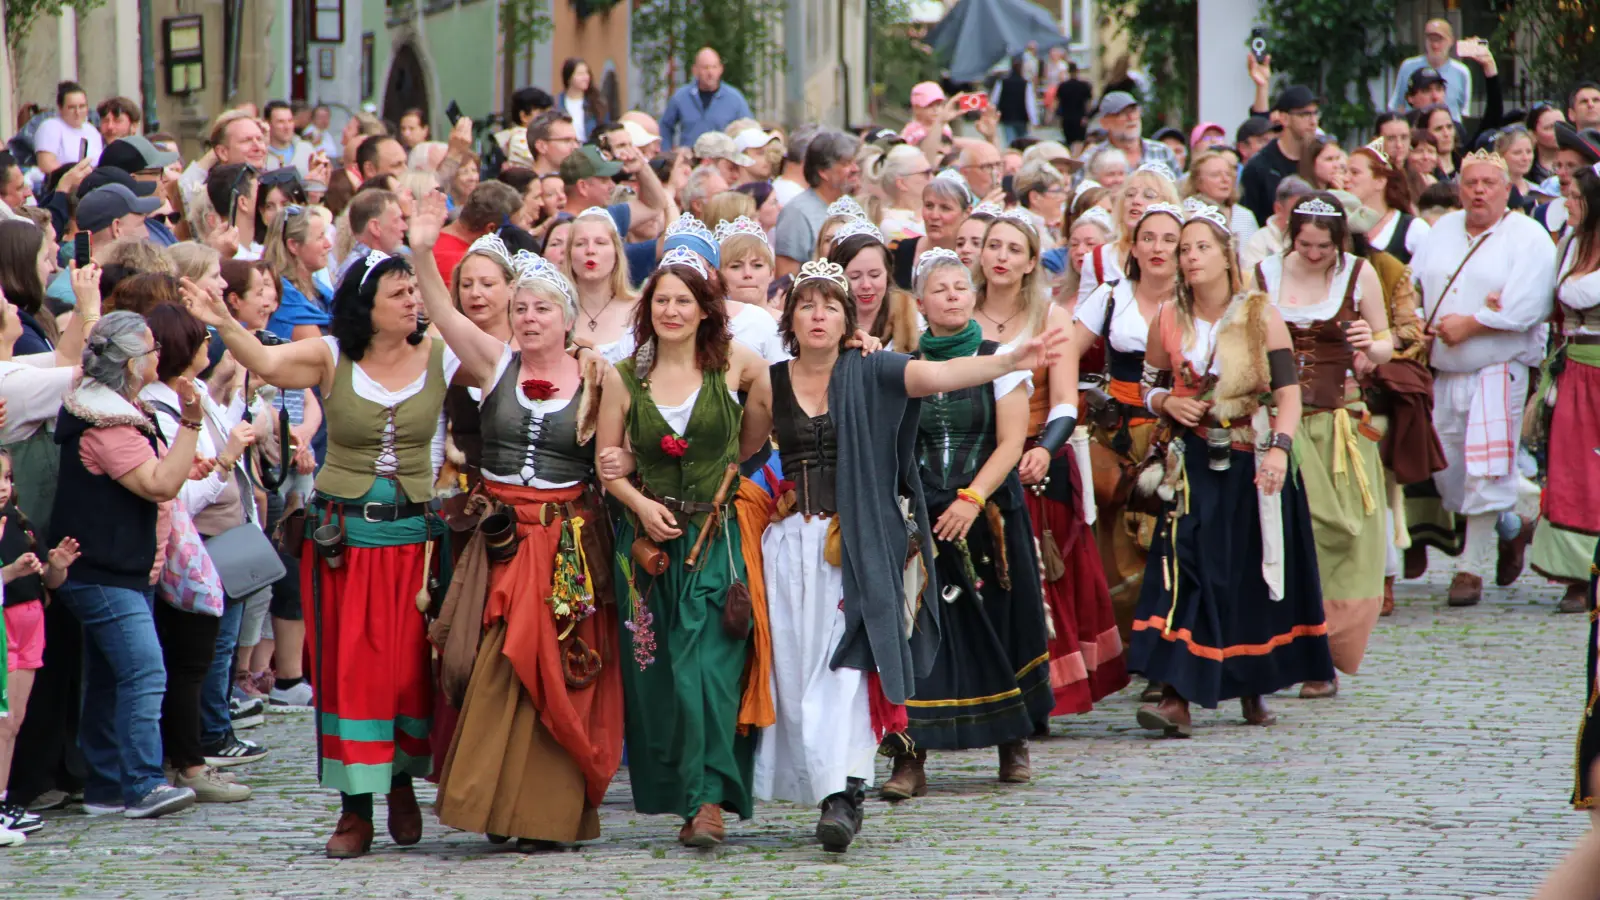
x,y
924,378
86,291
160,480
292,366
479,351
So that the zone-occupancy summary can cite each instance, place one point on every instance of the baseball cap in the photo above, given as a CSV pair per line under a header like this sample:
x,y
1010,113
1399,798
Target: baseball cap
x,y
1168,132
1052,152
752,139
638,135
1252,127
927,93
104,205
1293,97
1115,102
108,175
1425,77
1201,129
716,145
586,162
135,153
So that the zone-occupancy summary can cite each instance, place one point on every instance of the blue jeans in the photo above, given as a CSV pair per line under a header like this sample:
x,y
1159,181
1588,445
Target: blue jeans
x,y
216,723
123,683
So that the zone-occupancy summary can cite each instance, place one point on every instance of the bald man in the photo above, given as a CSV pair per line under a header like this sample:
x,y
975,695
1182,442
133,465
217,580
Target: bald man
x,y
705,104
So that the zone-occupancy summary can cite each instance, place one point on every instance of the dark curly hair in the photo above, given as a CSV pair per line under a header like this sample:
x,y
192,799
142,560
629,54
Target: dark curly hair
x,y
353,302
711,338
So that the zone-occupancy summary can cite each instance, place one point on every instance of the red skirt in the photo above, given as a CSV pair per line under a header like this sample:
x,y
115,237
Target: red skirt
x,y
370,656
1572,485
1087,662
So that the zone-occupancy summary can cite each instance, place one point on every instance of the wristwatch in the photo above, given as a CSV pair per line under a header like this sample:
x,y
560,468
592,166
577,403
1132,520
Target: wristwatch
x,y
1282,441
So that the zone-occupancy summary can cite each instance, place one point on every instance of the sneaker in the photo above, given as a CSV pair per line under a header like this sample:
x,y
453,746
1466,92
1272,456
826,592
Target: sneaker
x,y
16,818
9,838
102,809
51,799
162,799
247,713
299,696
233,751
244,688
211,786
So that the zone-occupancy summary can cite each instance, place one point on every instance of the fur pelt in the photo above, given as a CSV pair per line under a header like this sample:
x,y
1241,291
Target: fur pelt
x,y
102,407
593,372
1242,352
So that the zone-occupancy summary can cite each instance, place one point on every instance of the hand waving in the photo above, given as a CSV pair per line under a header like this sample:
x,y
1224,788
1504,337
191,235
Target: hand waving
x,y
427,222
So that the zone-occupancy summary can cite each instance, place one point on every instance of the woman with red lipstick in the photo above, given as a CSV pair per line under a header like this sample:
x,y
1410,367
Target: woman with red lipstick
x,y
1148,184
946,199
687,637
884,311
481,290
1117,315
606,301
1086,661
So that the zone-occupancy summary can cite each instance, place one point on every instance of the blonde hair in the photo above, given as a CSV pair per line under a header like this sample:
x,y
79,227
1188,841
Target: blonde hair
x,y
191,260
620,285
506,272
739,125
1119,206
141,256
1183,304
420,183
285,228
831,223
727,206
883,168
744,246
1035,299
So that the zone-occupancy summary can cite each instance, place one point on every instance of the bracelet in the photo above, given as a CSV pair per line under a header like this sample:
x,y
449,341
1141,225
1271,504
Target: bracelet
x,y
971,496
1282,442
88,321
185,423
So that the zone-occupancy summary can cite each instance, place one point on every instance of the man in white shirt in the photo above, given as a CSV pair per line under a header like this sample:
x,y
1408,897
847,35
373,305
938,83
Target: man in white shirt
x,y
1486,278
283,144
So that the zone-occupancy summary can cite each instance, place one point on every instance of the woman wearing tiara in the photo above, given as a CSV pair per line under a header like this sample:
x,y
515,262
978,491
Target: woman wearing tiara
x,y
480,288
1231,605
1150,183
1333,305
843,210
541,726
744,262
850,523
883,309
946,199
606,301
679,563
1086,662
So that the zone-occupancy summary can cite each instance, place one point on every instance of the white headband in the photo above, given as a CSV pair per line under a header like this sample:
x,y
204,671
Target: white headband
x,y
374,258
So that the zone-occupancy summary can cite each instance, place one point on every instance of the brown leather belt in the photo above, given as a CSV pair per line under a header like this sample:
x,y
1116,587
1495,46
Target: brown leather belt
x,y
1588,340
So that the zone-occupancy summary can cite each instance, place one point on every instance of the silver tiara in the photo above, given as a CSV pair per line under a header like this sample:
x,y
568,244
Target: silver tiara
x,y
1595,169
929,260
374,258
491,245
986,208
1098,216
686,223
1171,209
741,225
855,227
1088,184
532,268
1195,208
1016,215
1157,167
683,256
955,177
1317,206
595,211
823,270
1376,147
846,206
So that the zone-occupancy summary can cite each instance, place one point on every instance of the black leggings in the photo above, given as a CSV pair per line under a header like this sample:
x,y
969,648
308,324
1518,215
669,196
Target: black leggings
x,y
188,641
361,804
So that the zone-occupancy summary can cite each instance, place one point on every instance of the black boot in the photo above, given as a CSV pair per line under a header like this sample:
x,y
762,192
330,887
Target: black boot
x,y
841,816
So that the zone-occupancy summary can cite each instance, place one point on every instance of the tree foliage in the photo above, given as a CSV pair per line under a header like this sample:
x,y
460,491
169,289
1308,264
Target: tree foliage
x,y
1557,42
523,24
899,58
22,14
1163,35
1335,47
668,33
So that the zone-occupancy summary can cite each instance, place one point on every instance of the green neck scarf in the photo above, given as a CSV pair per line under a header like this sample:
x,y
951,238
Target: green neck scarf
x,y
963,343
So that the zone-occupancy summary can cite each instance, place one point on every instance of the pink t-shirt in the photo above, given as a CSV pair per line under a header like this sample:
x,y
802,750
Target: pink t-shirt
x,y
117,450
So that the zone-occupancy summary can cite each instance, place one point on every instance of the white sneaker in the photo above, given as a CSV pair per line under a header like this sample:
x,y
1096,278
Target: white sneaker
x,y
211,787
9,838
103,809
297,697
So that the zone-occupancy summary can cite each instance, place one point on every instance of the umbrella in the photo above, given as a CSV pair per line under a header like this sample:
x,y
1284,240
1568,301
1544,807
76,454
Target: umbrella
x,y
976,34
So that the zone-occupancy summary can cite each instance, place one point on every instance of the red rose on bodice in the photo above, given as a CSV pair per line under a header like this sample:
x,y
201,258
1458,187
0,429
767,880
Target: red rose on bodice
x,y
538,389
675,446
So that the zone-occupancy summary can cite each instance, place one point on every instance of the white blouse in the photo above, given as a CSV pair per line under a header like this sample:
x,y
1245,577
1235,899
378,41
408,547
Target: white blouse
x,y
369,389
1327,308
1580,292
1129,330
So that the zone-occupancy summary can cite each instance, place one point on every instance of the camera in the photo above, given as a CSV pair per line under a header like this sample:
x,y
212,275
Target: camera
x,y
1219,449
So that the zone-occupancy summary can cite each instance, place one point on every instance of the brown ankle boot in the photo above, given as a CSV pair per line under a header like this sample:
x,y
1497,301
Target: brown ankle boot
x,y
1416,564
1255,711
705,829
1576,599
1319,690
1388,596
1170,716
1514,554
352,837
908,779
405,818
1466,589
1015,767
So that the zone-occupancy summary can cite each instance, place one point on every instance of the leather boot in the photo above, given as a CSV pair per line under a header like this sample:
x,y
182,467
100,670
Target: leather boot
x,y
1015,767
1513,554
1318,690
705,829
1151,693
405,818
1388,597
1466,589
908,779
352,837
1170,716
841,816
1416,562
1576,600
1255,711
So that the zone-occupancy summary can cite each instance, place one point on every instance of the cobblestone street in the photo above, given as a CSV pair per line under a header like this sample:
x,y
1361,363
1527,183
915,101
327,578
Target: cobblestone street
x,y
1443,770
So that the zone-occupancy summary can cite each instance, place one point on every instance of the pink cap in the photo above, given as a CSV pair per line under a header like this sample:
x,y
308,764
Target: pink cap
x,y
1200,130
927,93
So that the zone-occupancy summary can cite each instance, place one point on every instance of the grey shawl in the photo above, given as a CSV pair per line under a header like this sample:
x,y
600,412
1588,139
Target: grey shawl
x,y
876,425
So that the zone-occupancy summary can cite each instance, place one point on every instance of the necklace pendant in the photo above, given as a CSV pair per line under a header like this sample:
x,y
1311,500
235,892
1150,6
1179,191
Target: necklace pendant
x,y
591,326
1000,328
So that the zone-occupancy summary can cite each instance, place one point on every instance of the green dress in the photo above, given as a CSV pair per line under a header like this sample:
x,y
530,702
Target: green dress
x,y
681,673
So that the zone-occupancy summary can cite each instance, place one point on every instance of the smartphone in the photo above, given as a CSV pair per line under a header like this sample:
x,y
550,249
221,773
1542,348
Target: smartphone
x,y
972,102
83,148
80,249
453,113
1258,44
1467,48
